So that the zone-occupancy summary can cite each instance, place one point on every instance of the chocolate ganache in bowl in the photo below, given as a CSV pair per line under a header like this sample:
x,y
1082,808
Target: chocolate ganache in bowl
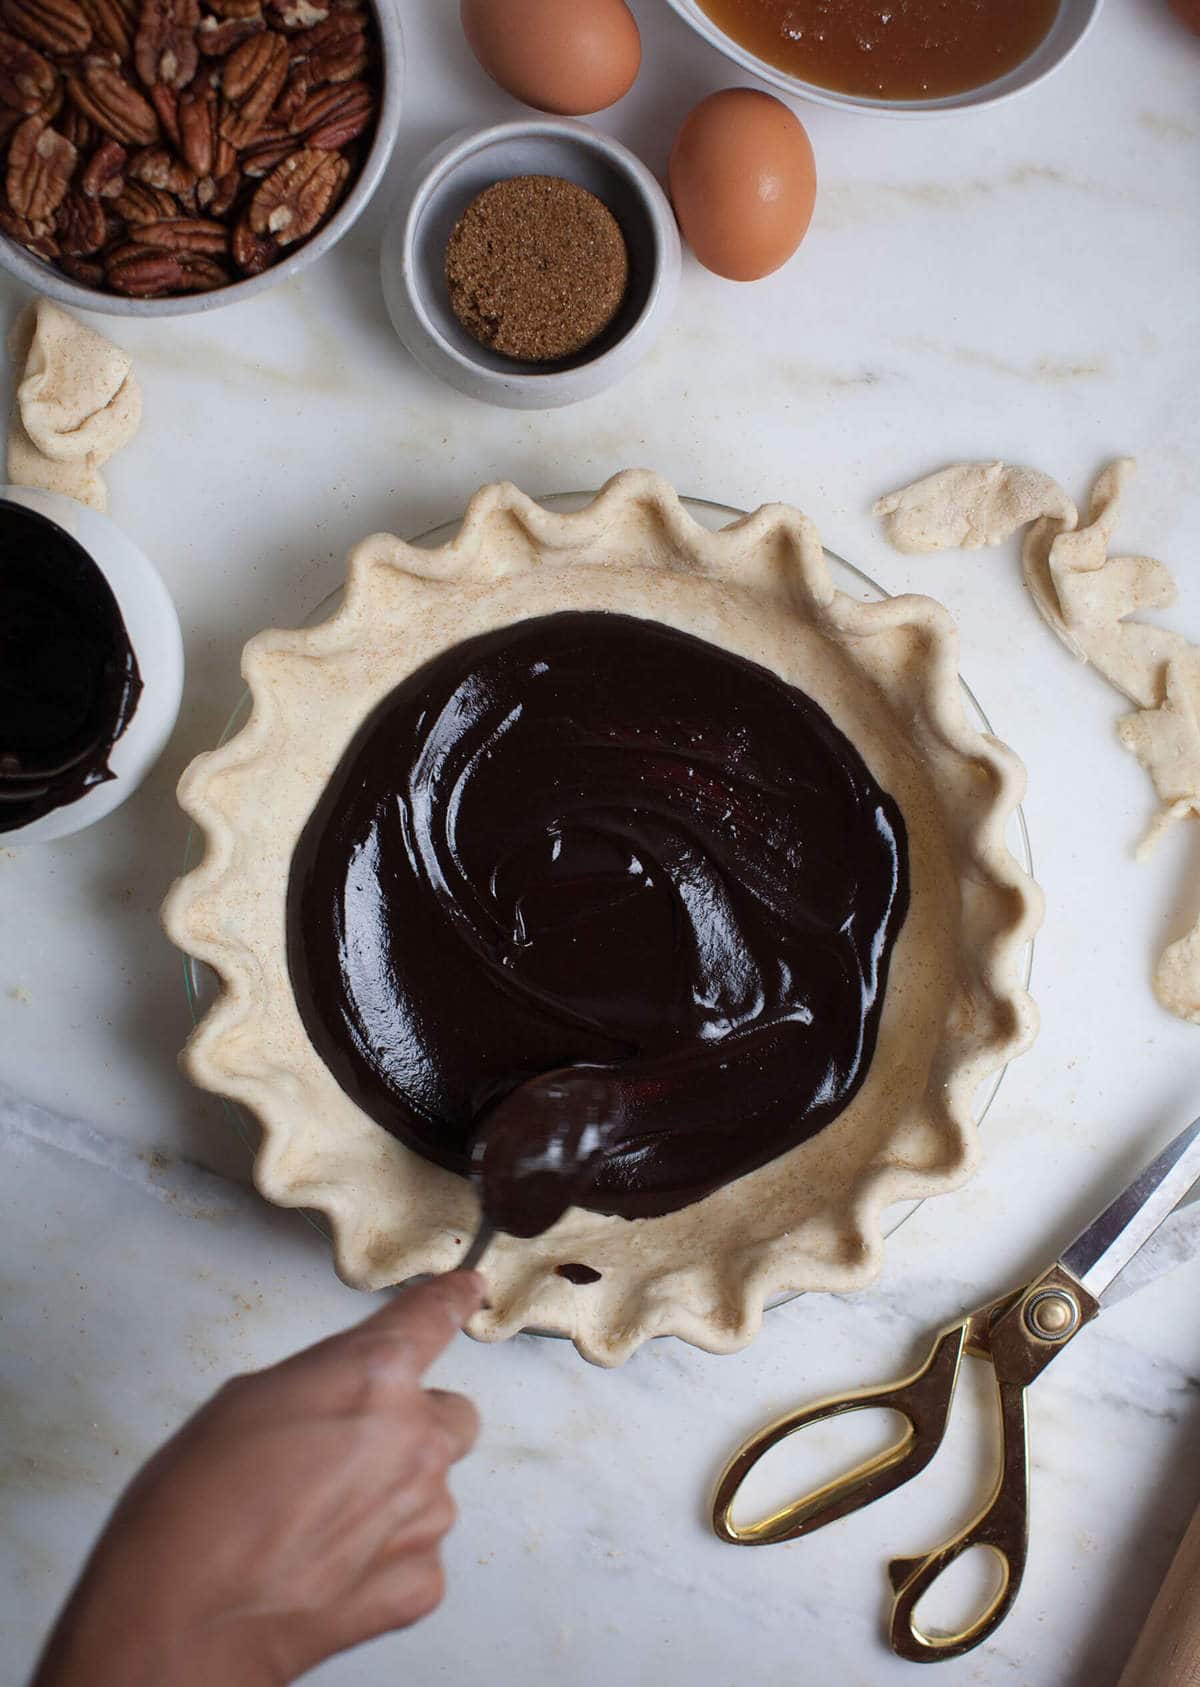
x,y
593,843
69,679
621,876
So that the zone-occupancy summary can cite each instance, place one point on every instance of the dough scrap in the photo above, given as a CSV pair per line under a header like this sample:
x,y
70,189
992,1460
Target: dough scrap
x,y
27,466
1086,597
1166,740
970,505
1177,977
79,396
1095,593
78,402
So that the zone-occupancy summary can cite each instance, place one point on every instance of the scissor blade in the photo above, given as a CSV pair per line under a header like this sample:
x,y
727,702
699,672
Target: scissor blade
x,y
1101,1252
1176,1241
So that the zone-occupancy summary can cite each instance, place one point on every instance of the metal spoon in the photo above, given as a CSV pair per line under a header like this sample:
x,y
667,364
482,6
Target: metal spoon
x,y
480,1244
547,1136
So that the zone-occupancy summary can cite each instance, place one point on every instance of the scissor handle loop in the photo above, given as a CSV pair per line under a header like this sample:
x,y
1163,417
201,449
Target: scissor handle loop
x,y
922,1399
1002,1527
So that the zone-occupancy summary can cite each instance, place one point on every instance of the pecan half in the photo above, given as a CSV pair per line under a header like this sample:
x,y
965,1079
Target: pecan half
x,y
333,51
27,80
183,234
228,9
86,271
333,116
112,103
251,78
35,237
165,49
144,272
75,126
49,109
166,105
198,127
295,197
138,203
252,253
269,149
103,175
60,26
81,225
112,23
41,163
202,274
158,167
217,37
295,91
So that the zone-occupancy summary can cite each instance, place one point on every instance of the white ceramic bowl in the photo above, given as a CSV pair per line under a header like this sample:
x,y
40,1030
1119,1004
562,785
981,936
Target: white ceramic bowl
x,y
45,278
412,262
1074,19
153,628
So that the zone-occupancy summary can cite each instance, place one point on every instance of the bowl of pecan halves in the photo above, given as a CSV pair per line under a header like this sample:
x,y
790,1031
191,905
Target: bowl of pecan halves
x,y
162,156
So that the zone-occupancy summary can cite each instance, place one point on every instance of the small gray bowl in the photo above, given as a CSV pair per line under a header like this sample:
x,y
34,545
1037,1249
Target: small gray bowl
x,y
44,278
412,261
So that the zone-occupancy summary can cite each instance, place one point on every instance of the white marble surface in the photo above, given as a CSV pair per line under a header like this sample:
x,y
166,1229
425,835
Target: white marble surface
x,y
1018,283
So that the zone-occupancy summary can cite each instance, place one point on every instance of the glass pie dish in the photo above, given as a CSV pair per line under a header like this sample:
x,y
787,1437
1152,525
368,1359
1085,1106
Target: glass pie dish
x,y
931,1147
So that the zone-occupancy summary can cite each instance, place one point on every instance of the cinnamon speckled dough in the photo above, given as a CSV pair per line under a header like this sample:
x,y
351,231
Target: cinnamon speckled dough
x,y
1087,597
77,403
1177,977
1080,591
27,466
954,1008
968,506
1166,740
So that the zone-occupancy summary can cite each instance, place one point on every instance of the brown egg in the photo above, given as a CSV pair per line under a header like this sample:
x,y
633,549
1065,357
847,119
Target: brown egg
x,y
743,182
565,56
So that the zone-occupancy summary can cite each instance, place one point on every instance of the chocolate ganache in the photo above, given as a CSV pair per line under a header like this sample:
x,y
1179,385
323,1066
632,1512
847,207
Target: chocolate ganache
x,y
69,681
638,879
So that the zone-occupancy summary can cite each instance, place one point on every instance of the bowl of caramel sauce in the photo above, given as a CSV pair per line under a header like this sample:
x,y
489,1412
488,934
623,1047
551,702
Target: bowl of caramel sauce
x,y
917,58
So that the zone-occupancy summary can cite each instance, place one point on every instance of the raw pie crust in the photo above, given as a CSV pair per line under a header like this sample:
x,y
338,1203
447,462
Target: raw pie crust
x,y
955,1009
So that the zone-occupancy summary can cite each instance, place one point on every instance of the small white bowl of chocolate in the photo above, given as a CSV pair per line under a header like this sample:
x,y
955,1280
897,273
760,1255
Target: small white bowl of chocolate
x,y
91,656
531,264
91,666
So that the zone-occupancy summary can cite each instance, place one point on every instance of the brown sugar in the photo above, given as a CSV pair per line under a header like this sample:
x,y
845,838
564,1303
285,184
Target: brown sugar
x,y
537,268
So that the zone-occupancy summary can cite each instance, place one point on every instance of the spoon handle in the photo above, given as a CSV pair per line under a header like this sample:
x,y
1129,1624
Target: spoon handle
x,y
483,1240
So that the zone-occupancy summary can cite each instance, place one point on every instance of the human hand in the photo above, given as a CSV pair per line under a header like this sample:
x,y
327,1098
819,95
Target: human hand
x,y
298,1513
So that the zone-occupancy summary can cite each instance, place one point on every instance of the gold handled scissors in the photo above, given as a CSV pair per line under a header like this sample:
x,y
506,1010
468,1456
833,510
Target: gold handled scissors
x,y
1019,1335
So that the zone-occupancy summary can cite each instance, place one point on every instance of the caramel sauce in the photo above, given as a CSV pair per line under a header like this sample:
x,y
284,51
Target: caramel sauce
x,y
888,49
